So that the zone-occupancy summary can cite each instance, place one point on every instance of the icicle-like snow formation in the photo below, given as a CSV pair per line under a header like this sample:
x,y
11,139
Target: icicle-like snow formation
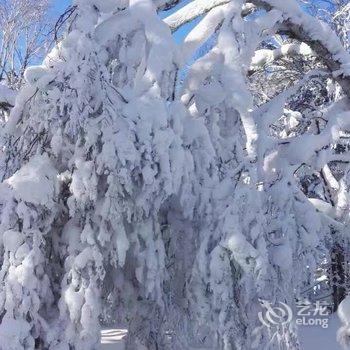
x,y
27,215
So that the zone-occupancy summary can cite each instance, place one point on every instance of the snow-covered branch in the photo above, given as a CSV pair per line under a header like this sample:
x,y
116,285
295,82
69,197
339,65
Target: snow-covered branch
x,y
196,9
198,35
265,56
301,149
191,11
323,207
319,36
165,4
329,178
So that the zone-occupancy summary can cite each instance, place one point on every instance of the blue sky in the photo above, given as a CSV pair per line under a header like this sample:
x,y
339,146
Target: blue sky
x,y
59,6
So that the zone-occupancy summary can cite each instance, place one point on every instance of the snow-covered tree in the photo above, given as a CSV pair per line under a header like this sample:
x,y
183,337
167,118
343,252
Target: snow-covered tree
x,y
172,205
112,132
294,230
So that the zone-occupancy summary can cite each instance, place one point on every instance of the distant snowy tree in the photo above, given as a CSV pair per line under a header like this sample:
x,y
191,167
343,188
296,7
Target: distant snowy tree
x,y
25,37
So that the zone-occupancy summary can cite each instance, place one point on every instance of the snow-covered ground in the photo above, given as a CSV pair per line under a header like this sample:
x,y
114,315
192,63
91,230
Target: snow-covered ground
x,y
311,337
112,339
318,338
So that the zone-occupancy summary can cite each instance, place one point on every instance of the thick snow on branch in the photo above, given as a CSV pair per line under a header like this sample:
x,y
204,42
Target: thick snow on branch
x,y
35,182
329,178
191,11
28,201
264,56
196,9
116,24
323,207
202,32
206,27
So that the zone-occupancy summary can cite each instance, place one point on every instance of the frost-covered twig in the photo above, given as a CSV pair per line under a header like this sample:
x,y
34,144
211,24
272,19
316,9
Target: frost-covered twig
x,y
269,112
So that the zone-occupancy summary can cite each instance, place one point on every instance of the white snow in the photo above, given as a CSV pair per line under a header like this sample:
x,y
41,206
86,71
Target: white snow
x,y
119,23
323,207
34,73
75,301
282,256
191,11
36,182
104,5
12,240
264,56
199,34
113,338
344,311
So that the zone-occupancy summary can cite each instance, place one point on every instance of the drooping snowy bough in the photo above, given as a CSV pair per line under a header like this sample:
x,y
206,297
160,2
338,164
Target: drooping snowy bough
x,y
132,195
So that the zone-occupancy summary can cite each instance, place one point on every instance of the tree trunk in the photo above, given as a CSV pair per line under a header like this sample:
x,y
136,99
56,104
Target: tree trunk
x,y
337,274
